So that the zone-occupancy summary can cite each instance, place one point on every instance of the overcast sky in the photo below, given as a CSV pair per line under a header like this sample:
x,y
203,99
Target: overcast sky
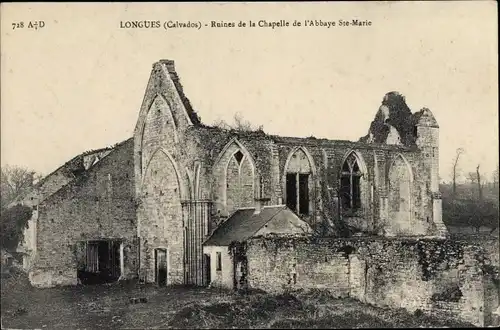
x,y
78,83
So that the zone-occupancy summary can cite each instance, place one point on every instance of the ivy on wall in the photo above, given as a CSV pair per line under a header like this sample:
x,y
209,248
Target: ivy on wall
x,y
238,253
433,256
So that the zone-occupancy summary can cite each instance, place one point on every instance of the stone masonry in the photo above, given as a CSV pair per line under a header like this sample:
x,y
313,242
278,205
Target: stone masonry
x,y
166,189
190,176
374,207
98,203
439,277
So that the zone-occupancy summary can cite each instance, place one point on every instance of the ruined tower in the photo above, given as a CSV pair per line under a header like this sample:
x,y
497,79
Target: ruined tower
x,y
426,130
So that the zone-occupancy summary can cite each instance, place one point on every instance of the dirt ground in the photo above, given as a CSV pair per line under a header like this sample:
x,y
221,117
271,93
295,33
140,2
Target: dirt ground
x,y
110,307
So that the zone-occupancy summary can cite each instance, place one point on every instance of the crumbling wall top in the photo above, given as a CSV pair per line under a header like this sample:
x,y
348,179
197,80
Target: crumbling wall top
x,y
395,113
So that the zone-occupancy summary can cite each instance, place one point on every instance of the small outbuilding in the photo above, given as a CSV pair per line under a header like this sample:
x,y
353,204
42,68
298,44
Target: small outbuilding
x,y
243,224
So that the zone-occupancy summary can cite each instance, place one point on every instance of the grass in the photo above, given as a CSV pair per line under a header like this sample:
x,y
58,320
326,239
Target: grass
x,y
109,307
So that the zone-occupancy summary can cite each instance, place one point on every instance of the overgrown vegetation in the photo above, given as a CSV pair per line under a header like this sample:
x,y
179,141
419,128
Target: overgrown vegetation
x,y
16,182
13,221
107,306
301,310
463,208
398,115
237,251
239,124
435,255
474,203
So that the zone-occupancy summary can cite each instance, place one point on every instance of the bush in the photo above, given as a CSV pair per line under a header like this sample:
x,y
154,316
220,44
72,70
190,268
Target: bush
x,y
13,222
470,212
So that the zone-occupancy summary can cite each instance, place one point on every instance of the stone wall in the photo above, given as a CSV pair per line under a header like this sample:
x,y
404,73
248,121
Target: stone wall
x,y
181,164
271,157
440,277
99,204
53,183
220,178
489,243
161,219
171,180
272,268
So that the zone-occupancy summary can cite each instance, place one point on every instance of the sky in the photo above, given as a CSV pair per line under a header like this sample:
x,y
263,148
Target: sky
x,y
78,83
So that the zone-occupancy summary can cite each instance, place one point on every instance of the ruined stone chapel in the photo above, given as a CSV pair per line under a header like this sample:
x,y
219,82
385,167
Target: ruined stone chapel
x,y
144,208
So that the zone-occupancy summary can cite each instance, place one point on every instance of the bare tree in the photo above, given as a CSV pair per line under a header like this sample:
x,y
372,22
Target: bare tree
x,y
239,124
472,177
222,124
455,165
15,181
475,178
479,187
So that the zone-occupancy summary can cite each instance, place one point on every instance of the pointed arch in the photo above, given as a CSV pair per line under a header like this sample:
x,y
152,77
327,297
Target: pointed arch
x,y
168,132
400,191
353,190
399,156
306,153
170,116
243,149
299,181
182,187
160,77
359,158
236,176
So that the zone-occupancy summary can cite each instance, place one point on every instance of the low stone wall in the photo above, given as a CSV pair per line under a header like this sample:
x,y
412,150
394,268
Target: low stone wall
x,y
49,277
272,268
489,243
441,277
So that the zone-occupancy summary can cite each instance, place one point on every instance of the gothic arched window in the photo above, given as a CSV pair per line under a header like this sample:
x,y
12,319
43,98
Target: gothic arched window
x,y
239,182
350,191
298,183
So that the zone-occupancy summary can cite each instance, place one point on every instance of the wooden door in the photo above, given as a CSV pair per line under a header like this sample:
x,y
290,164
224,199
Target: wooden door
x,y
161,266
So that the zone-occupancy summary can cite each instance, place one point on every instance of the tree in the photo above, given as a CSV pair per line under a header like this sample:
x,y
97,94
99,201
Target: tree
x,y
475,178
240,124
16,181
483,213
12,223
455,165
479,187
471,212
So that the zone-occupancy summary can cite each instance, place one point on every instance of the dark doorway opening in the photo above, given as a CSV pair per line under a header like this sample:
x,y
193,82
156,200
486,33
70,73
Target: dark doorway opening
x,y
291,191
161,266
98,261
208,274
304,194
297,192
